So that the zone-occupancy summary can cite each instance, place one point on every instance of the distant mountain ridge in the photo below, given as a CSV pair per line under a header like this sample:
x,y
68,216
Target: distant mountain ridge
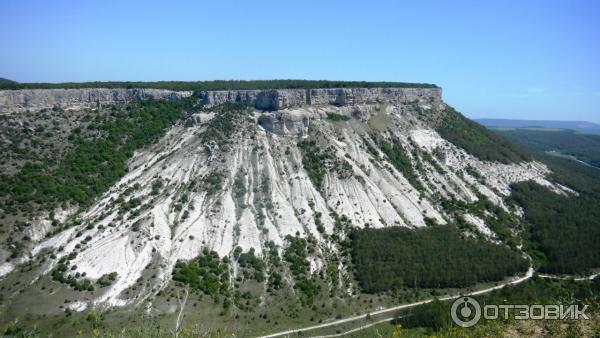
x,y
579,126
7,81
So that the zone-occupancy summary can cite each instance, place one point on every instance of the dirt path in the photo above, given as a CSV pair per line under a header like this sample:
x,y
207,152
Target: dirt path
x,y
513,281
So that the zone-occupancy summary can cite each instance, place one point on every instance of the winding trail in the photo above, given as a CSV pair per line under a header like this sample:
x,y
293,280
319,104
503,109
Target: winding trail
x,y
360,328
580,278
513,281
527,276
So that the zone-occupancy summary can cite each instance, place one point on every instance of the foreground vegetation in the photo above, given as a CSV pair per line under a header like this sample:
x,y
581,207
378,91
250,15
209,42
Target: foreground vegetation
x,y
432,319
435,316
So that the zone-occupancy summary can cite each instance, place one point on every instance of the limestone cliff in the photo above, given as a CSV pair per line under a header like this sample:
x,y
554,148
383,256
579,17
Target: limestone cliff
x,y
287,98
38,99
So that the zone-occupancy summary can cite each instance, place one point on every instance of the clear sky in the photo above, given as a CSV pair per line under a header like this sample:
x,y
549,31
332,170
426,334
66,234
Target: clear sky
x,y
511,59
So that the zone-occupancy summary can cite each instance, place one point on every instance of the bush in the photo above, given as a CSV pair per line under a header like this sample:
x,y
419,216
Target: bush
x,y
206,273
107,279
337,117
212,183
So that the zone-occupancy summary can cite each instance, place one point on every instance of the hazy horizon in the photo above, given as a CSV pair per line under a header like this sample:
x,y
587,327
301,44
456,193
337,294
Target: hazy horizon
x,y
517,60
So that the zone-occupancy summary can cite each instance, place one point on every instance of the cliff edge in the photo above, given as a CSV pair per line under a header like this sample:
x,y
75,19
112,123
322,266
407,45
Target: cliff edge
x,y
37,99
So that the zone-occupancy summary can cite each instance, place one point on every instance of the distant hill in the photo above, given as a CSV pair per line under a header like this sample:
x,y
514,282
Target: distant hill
x,y
7,81
579,126
566,143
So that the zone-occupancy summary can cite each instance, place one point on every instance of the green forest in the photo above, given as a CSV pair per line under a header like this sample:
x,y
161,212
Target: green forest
x,y
564,231
92,165
479,141
430,257
218,85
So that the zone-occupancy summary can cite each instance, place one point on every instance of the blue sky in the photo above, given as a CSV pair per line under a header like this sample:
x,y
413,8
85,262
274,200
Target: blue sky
x,y
511,59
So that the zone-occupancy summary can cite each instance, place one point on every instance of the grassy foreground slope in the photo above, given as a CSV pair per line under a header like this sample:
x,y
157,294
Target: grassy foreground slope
x,y
433,319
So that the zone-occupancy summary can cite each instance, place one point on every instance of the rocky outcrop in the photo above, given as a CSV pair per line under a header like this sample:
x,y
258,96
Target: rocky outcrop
x,y
361,113
38,99
286,122
287,98
198,118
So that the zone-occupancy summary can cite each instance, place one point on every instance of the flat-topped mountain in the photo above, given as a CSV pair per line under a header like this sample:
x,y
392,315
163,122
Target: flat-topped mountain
x,y
316,197
272,99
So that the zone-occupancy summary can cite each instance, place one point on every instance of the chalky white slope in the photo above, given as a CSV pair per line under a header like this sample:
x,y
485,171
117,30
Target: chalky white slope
x,y
265,194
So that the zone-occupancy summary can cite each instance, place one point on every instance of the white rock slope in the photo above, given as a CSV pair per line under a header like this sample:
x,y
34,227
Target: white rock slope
x,y
164,210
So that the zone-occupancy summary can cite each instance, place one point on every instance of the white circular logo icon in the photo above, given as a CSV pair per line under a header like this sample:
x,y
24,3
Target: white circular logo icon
x,y
465,311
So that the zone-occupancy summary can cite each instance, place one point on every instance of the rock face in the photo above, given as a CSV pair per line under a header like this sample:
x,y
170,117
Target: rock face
x,y
279,198
270,100
288,98
361,113
38,99
286,122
